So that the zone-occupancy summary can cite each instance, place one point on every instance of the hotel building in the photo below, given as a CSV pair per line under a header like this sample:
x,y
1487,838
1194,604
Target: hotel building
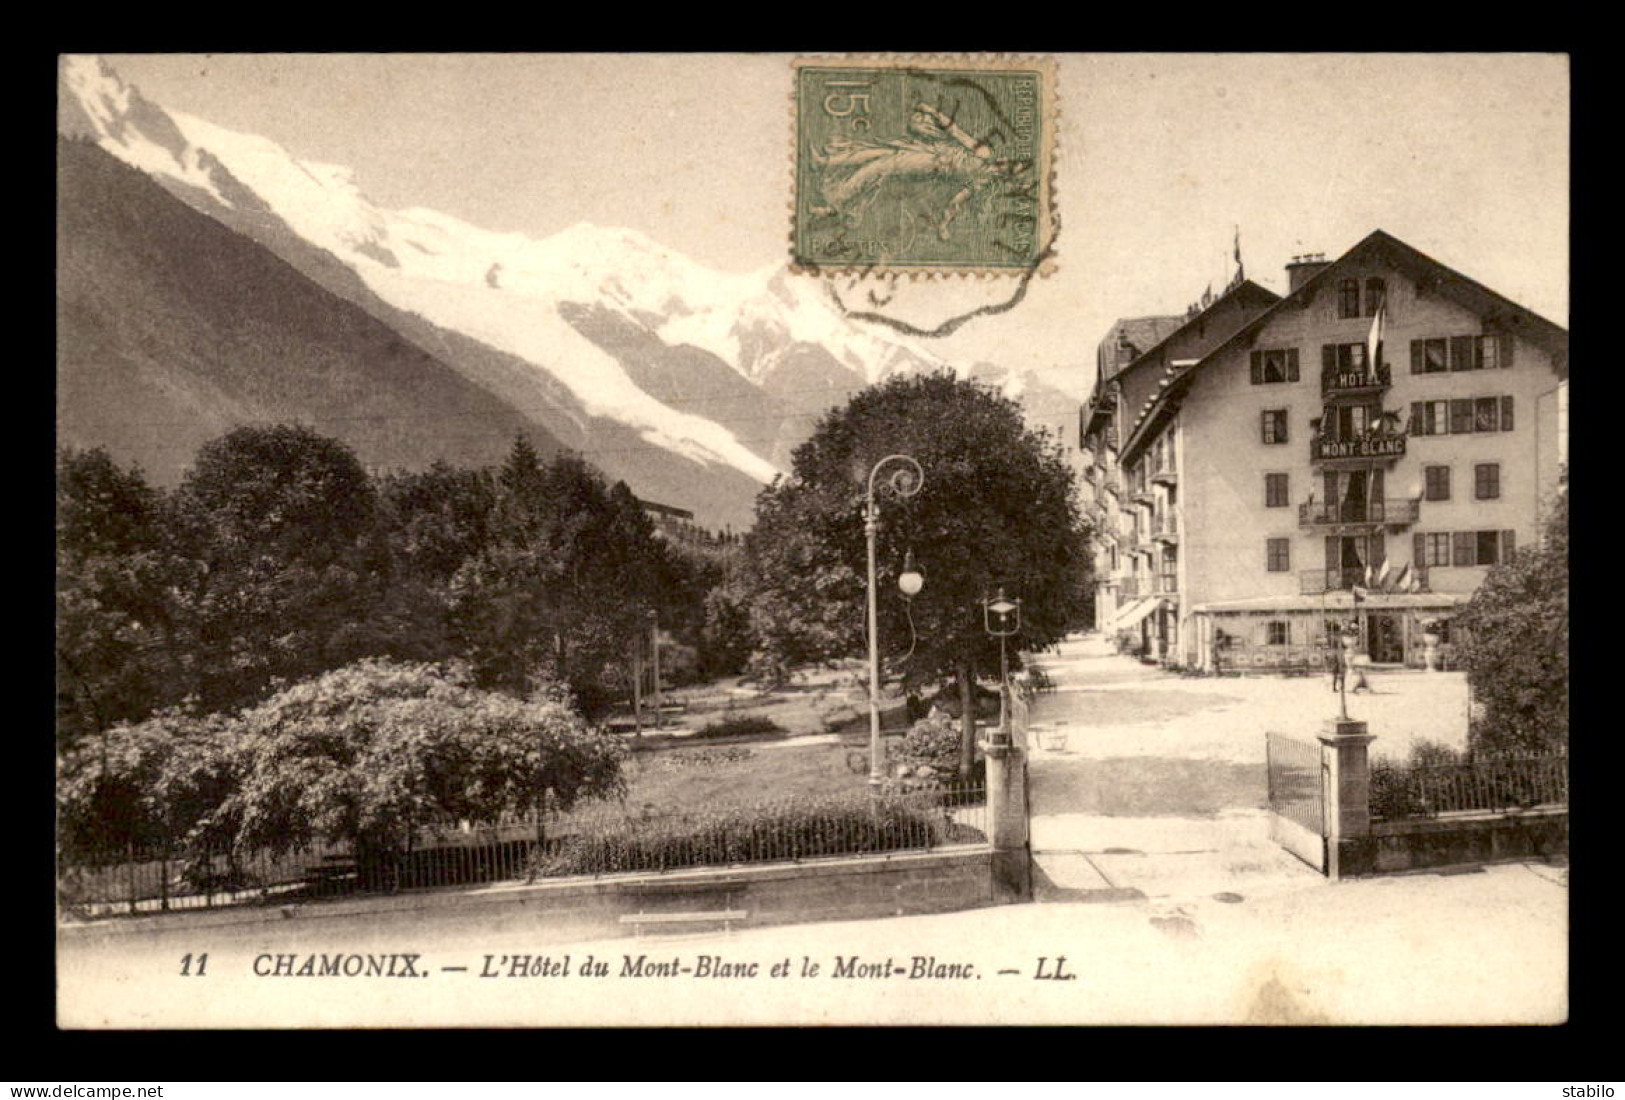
x,y
1361,451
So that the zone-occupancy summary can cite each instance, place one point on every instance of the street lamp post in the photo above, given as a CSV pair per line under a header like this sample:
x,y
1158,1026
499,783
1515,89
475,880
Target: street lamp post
x,y
1002,618
905,481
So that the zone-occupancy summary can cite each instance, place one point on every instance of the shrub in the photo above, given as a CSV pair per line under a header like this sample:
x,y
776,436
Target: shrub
x,y
701,758
739,725
801,829
932,740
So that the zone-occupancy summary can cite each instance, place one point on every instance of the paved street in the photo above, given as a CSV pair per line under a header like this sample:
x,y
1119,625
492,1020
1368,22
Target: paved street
x,y
1161,790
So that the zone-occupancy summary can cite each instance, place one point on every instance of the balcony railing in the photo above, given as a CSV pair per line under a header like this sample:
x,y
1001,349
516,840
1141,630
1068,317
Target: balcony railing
x,y
1333,383
1372,444
1165,526
1396,513
1313,582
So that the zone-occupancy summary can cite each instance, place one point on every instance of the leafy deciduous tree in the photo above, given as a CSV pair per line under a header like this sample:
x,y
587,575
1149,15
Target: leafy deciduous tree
x,y
1516,647
997,508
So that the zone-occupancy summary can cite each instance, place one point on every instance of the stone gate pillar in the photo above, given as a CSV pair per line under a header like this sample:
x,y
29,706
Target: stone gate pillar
x,y
1346,765
1007,817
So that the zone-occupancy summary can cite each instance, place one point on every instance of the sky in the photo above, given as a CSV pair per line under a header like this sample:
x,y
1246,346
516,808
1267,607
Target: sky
x,y
1161,158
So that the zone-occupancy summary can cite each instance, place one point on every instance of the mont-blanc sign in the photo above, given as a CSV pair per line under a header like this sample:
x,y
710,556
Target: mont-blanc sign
x,y
1370,446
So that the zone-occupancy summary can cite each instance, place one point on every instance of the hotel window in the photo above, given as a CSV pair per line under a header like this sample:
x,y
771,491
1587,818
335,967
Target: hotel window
x,y
1277,632
1342,358
1273,426
1487,481
1433,549
1480,547
1375,291
1276,365
1429,356
1348,298
1461,416
1278,555
1275,491
1436,482
1429,417
1464,353
1486,414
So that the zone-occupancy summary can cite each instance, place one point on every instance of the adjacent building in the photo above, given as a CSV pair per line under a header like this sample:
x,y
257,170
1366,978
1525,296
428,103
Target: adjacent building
x,y
1359,452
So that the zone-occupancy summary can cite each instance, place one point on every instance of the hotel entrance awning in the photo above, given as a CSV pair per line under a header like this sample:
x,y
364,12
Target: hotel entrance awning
x,y
1131,615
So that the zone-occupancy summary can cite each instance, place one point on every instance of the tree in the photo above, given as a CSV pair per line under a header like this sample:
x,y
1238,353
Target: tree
x,y
1515,646
371,752
115,621
287,563
997,508
565,580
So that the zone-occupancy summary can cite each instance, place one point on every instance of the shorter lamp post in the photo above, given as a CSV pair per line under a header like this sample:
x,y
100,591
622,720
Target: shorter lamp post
x,y
1002,618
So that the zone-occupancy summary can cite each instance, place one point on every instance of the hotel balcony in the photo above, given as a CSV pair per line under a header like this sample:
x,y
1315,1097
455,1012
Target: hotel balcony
x,y
1164,475
1355,383
1165,527
1358,451
1129,588
1112,480
1141,493
1314,582
1358,513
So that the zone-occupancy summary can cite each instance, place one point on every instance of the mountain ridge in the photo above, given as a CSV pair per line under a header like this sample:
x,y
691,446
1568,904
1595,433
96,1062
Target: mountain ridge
x,y
692,385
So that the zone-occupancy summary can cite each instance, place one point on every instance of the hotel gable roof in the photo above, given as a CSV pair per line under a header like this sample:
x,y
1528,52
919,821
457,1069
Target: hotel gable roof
x,y
1138,384
1500,314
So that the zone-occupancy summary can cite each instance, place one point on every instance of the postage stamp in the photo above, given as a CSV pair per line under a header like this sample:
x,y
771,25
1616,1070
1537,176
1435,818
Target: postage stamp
x,y
924,165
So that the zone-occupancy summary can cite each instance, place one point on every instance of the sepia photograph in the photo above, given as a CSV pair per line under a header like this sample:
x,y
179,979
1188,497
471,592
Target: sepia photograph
x,y
785,539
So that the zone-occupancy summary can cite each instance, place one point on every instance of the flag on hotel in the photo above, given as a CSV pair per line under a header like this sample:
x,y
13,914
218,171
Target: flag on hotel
x,y
1402,583
1373,350
1380,584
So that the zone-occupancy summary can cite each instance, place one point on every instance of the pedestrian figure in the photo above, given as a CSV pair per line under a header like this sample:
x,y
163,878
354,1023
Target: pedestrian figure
x,y
1334,658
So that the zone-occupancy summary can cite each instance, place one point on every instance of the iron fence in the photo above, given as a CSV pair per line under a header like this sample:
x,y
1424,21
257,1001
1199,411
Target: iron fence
x,y
1495,784
1295,790
920,813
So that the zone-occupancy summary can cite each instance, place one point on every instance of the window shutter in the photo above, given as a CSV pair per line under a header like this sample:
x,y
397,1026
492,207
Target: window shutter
x,y
1334,552
1257,368
1378,548
1463,356
1419,550
1506,413
1416,357
1417,423
1292,364
1507,344
1463,550
1509,543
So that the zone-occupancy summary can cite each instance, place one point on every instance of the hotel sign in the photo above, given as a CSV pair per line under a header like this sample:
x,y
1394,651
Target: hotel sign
x,y
1371,446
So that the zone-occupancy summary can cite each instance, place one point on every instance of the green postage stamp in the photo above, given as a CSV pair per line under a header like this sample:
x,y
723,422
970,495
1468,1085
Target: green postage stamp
x,y
923,165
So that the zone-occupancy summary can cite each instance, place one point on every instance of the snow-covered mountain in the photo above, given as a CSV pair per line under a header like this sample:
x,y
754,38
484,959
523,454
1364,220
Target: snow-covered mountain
x,y
608,339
